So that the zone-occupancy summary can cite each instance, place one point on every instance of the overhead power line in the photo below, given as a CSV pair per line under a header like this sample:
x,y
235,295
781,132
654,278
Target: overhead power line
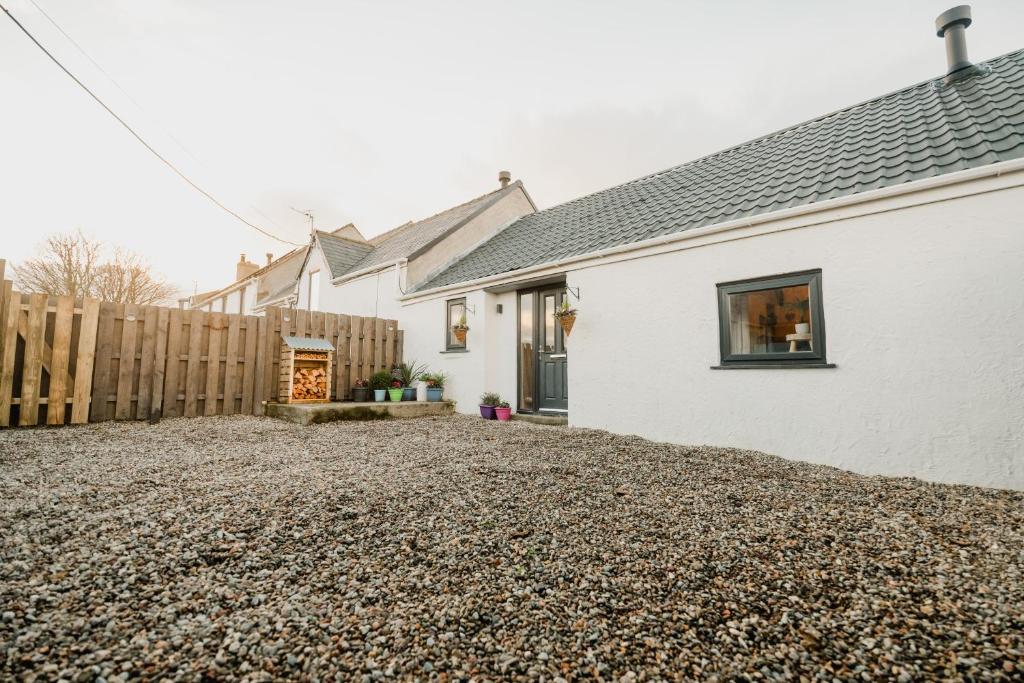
x,y
138,137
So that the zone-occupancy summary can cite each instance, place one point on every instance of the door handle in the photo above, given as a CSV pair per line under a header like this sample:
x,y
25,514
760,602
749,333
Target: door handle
x,y
557,355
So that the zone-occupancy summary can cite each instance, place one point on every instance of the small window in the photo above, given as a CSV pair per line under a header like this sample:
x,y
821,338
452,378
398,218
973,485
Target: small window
x,y
772,321
313,296
456,314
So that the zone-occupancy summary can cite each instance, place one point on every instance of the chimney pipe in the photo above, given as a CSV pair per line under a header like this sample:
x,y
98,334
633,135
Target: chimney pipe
x,y
270,258
504,177
951,25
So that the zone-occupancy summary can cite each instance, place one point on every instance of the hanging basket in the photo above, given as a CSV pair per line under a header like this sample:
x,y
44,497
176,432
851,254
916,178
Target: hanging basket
x,y
567,321
460,333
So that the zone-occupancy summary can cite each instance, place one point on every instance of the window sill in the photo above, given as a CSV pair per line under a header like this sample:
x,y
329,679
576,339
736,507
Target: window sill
x,y
773,366
455,351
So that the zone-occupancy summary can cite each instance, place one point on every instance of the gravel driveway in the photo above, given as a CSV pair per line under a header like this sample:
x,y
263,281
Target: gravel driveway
x,y
245,548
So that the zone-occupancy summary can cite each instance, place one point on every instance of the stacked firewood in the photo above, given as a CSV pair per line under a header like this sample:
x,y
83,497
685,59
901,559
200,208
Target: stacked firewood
x,y
309,383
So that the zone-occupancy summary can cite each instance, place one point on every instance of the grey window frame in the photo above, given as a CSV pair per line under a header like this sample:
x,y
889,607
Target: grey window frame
x,y
448,346
815,358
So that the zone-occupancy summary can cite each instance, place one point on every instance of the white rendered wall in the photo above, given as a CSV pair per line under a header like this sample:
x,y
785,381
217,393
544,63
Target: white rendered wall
x,y
489,362
924,315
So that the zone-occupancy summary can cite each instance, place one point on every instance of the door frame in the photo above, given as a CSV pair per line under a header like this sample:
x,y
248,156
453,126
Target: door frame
x,y
538,322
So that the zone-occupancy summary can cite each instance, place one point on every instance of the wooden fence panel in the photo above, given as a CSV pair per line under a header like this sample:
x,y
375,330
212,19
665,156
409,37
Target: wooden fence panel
x,y
131,362
61,383
32,369
84,361
12,310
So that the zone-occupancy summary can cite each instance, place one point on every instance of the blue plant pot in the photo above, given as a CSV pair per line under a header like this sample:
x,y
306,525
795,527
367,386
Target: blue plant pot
x,y
435,393
408,393
380,394
487,412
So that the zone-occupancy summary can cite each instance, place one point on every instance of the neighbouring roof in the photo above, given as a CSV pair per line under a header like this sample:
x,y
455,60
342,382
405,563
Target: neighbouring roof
x,y
346,256
926,130
281,292
341,253
203,299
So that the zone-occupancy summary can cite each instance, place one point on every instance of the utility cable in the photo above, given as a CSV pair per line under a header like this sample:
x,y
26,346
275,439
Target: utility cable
x,y
138,137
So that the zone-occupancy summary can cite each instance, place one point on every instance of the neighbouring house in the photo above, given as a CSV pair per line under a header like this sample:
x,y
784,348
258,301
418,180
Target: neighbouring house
x,y
848,291
345,273
256,287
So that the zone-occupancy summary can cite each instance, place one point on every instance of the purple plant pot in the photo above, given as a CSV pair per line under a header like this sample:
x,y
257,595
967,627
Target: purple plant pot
x,y
487,413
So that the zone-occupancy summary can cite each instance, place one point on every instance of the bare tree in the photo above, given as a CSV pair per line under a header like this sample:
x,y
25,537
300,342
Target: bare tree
x,y
71,264
66,266
128,279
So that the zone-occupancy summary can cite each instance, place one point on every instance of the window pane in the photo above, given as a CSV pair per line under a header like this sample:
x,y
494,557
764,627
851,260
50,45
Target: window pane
x,y
549,324
770,320
526,369
456,309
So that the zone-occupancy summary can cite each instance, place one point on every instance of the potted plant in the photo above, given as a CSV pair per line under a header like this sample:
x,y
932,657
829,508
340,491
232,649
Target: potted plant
x,y
396,390
566,317
503,411
379,382
409,373
460,328
488,402
435,385
361,392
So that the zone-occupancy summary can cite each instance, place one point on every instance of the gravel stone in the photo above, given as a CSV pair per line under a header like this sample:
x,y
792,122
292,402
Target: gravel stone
x,y
247,549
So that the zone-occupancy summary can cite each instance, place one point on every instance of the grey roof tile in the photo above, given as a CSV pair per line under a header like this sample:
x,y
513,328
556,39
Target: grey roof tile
x,y
340,253
920,132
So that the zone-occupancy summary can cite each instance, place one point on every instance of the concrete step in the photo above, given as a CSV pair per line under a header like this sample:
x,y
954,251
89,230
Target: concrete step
x,y
541,419
315,413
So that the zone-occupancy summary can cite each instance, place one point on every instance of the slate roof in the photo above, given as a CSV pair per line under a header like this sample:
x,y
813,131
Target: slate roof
x,y
920,132
340,253
346,256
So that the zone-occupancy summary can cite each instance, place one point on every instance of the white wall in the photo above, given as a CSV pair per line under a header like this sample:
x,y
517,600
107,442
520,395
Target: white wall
x,y
488,364
924,314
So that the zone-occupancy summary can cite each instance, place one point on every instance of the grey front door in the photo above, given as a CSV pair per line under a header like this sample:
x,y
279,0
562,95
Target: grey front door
x,y
552,359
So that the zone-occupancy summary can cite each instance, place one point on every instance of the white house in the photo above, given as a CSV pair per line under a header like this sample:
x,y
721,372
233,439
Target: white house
x,y
848,291
256,287
345,273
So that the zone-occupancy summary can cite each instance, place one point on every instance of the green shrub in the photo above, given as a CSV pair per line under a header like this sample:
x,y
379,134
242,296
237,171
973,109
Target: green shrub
x,y
380,380
490,399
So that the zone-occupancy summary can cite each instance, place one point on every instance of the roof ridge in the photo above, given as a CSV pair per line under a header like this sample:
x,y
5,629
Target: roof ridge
x,y
774,134
324,233
390,233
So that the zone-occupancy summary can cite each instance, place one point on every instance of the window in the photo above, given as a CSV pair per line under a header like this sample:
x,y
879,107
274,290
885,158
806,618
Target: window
x,y
456,313
313,296
772,321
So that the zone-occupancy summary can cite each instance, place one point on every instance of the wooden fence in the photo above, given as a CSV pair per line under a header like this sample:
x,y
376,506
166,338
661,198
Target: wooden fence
x,y
63,361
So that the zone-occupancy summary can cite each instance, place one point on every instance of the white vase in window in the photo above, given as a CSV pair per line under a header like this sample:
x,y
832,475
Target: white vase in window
x,y
803,328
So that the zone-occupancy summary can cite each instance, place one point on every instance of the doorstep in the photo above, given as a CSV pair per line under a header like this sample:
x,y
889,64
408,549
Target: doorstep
x,y
543,419
315,413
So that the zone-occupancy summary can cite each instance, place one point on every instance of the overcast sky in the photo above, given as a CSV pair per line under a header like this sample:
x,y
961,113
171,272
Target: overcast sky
x,y
381,112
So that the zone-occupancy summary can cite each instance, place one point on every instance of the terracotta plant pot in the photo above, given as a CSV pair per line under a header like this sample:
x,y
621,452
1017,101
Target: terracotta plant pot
x,y
487,412
460,334
503,414
567,321
396,394
360,394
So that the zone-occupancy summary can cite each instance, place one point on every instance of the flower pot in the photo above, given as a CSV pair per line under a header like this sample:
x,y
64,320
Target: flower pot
x,y
567,321
396,394
435,393
503,414
460,334
408,393
421,391
380,394
803,328
360,394
487,412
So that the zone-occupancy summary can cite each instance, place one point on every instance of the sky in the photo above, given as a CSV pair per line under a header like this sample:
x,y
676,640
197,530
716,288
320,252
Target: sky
x,y
378,113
